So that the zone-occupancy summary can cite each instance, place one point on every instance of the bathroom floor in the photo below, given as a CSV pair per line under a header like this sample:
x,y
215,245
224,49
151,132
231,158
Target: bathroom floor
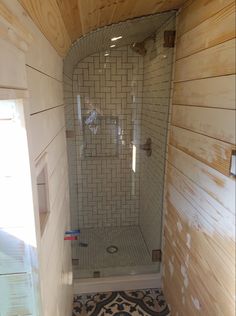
x,y
128,253
136,303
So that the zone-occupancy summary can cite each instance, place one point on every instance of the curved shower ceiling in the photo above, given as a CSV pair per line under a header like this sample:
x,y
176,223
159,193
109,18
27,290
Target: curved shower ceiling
x,y
132,31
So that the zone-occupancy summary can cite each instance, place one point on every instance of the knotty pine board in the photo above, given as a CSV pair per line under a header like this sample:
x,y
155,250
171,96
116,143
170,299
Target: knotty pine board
x,y
199,203
47,17
196,12
220,28
213,152
215,61
220,187
213,122
40,54
218,92
63,22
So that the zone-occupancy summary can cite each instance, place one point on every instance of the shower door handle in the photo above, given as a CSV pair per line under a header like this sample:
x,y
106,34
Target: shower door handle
x,y
147,147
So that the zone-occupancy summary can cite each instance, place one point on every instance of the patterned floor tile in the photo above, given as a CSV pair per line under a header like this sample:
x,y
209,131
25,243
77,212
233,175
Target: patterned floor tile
x,y
148,302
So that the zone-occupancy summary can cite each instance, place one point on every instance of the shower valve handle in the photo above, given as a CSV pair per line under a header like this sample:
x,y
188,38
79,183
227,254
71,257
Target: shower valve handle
x,y
147,146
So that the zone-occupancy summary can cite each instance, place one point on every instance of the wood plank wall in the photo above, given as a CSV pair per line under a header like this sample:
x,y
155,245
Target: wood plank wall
x,y
17,289
47,135
42,77
199,225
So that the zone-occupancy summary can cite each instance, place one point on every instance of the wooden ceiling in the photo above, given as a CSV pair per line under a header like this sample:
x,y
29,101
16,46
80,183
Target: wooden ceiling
x,y
64,21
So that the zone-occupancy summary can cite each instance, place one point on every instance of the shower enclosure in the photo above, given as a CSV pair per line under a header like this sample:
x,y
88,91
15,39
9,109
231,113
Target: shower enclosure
x,y
117,104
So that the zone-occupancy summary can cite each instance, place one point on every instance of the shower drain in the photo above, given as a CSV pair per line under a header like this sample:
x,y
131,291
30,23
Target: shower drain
x,y
112,249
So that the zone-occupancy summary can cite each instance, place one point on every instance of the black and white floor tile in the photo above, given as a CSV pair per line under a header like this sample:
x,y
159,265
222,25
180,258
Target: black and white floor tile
x,y
125,303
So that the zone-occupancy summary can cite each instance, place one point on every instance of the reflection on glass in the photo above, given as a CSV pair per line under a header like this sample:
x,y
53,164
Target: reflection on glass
x,y
134,158
119,201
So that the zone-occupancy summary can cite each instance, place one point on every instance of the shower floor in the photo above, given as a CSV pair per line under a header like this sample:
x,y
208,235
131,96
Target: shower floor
x,y
131,258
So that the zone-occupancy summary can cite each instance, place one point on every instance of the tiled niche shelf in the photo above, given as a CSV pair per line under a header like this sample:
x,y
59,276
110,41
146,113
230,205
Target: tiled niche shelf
x,y
43,194
101,137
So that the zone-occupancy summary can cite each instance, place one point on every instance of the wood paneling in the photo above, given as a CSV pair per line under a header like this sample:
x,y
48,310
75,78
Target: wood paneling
x,y
211,92
70,12
45,91
217,123
12,29
217,185
15,23
58,18
58,222
13,94
220,28
12,64
95,14
44,127
40,71
40,55
47,17
191,294
47,139
215,61
199,225
197,12
215,153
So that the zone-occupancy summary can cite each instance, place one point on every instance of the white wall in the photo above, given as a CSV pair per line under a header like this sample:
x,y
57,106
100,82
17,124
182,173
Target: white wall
x,y
46,131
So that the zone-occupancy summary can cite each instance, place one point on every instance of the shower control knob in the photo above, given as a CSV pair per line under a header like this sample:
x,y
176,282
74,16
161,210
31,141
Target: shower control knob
x,y
147,147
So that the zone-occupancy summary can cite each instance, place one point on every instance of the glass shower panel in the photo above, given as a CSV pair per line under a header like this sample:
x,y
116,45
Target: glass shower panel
x,y
121,99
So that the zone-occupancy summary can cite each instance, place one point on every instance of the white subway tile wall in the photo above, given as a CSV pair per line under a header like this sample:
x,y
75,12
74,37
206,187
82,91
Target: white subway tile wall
x,y
112,182
155,107
107,187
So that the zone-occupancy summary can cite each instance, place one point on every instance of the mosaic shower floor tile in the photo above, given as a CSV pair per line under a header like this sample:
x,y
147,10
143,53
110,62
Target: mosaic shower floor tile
x,y
132,255
125,303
